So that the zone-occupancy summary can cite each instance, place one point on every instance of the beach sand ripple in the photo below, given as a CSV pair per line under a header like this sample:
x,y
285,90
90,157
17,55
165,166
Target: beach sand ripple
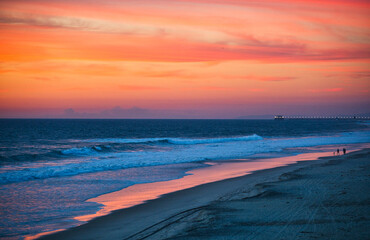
x,y
324,199
329,200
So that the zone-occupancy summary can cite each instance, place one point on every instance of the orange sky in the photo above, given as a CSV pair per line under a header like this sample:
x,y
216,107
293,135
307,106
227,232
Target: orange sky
x,y
183,58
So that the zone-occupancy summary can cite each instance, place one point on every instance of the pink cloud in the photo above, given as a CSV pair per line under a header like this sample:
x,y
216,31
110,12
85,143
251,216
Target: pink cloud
x,y
353,75
326,90
77,89
256,90
223,44
214,88
45,79
138,88
165,74
268,78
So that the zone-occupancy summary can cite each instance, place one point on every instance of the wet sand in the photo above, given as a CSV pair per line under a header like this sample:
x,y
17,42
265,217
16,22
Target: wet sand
x,y
324,199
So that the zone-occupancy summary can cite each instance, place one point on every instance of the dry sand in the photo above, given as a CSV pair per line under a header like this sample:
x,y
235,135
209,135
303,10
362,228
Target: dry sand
x,y
325,199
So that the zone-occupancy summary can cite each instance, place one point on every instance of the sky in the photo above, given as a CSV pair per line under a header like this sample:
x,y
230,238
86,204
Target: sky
x,y
183,58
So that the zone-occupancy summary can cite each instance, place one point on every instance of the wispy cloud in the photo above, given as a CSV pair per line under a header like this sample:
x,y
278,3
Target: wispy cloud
x,y
355,75
179,54
117,27
46,79
159,38
325,90
257,90
213,88
268,78
164,74
139,88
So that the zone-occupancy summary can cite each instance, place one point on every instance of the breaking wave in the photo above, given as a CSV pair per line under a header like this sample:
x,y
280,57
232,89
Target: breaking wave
x,y
194,150
177,141
82,151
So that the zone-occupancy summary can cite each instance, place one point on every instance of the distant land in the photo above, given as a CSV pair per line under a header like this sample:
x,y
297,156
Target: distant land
x,y
266,116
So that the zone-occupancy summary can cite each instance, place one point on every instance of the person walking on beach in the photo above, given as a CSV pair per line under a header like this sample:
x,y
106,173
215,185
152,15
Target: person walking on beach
x,y
344,151
338,152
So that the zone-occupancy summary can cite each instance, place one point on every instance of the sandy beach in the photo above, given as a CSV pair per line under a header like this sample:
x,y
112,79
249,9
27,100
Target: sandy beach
x,y
323,199
184,119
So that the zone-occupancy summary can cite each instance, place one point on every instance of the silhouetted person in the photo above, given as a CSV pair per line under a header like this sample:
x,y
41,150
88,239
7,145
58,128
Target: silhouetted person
x,y
344,151
338,151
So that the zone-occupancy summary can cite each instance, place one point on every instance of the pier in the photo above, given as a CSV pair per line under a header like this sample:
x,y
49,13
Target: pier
x,y
282,117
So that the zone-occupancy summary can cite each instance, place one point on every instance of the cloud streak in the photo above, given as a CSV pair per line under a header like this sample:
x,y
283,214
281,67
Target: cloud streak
x,y
182,54
165,38
139,88
269,79
326,90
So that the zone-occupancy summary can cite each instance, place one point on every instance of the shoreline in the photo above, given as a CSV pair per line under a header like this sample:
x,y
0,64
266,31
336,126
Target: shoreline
x,y
177,203
214,171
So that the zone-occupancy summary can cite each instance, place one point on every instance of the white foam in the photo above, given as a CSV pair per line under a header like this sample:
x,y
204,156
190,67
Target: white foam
x,y
189,141
179,154
83,151
178,141
79,151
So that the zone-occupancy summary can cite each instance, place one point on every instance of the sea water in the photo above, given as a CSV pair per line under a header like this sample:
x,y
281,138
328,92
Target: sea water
x,y
49,168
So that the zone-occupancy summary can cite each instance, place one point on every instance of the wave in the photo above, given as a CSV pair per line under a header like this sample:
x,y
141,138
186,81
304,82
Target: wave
x,y
116,145
84,150
191,153
37,155
177,141
53,154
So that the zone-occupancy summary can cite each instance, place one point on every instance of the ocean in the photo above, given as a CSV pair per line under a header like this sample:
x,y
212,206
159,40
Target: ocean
x,y
50,167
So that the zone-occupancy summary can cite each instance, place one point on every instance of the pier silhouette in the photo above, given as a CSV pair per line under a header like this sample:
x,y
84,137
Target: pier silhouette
x,y
282,117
